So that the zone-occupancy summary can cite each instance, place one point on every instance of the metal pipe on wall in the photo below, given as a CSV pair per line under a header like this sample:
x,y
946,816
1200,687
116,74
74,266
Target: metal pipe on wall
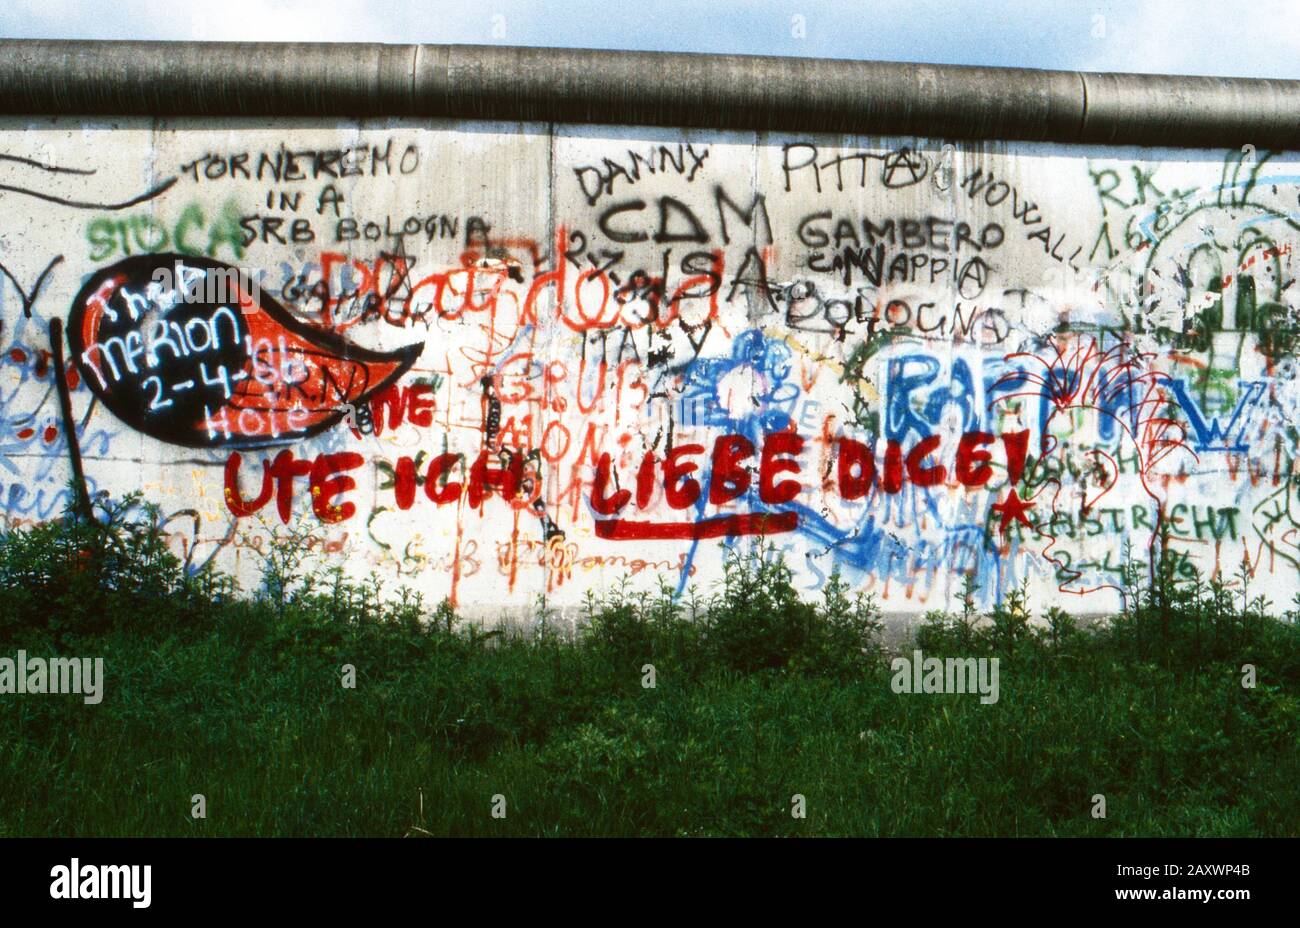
x,y
49,77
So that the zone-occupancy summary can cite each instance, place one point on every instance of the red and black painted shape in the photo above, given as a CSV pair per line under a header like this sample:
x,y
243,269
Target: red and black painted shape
x,y
240,371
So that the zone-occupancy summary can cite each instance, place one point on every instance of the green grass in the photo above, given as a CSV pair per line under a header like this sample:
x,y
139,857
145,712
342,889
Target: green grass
x,y
758,697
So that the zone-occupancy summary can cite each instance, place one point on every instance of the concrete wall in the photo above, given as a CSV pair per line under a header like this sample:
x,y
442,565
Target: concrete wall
x,y
494,361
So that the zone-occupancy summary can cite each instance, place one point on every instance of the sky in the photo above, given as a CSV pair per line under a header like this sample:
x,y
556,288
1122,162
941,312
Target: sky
x,y
1256,39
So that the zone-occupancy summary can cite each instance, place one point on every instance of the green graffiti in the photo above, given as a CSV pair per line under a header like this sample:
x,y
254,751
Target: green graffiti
x,y
194,232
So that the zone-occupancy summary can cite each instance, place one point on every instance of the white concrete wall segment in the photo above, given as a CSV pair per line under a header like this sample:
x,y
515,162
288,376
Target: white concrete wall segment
x,y
493,361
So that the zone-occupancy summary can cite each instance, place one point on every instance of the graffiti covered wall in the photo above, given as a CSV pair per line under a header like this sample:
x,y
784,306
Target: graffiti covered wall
x,y
493,362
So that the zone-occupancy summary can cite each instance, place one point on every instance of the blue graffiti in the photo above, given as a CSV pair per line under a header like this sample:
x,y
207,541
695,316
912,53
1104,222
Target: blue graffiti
x,y
767,364
918,396
1211,434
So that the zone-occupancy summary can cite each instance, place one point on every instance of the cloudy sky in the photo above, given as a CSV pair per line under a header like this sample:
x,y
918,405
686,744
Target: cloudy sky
x,y
1258,39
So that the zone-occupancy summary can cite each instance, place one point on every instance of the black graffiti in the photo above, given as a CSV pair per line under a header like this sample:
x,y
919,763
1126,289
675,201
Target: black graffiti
x,y
111,206
29,298
597,180
192,363
285,165
668,220
821,229
524,466
901,167
994,192
76,204
806,309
